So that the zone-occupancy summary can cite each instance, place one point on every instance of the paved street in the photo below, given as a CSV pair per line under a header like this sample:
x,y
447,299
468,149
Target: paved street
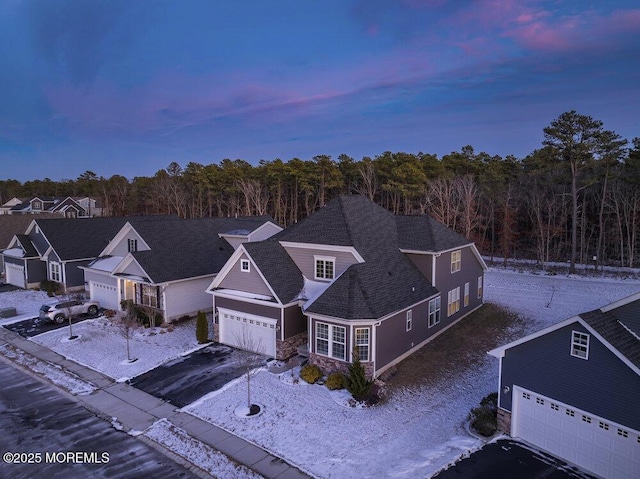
x,y
186,379
35,418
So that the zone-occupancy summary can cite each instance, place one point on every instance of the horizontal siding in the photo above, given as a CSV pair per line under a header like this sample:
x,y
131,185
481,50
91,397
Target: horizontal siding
x,y
602,384
246,307
303,258
100,278
74,276
122,248
187,298
134,269
295,322
250,282
446,281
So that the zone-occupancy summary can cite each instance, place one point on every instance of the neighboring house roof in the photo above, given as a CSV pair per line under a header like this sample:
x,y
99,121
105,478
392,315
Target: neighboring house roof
x,y
609,323
11,225
79,238
188,248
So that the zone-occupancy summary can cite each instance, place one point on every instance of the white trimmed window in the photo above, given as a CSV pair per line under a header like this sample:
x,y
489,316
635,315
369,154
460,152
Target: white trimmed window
x,y
54,272
362,343
324,267
149,295
37,205
456,261
331,340
409,319
434,311
453,301
132,245
479,287
466,294
245,265
579,345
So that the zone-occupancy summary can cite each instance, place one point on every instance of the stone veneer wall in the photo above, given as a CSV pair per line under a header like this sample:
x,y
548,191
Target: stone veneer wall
x,y
329,365
504,421
289,347
216,333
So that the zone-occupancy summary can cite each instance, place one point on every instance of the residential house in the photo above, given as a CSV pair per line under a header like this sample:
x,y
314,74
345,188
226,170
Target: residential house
x,y
167,264
82,207
6,207
572,389
352,278
54,249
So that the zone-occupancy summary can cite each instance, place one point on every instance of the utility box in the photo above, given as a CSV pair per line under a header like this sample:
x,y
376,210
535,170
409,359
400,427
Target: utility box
x,y
8,312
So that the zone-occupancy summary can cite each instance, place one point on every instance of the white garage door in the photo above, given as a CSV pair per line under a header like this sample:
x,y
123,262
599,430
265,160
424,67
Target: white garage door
x,y
246,331
106,294
15,274
593,443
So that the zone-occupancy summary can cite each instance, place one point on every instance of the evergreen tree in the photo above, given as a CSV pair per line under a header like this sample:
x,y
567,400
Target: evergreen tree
x,y
358,384
202,328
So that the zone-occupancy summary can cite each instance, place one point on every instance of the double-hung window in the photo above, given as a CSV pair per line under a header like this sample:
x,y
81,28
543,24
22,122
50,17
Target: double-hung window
x,y
456,261
453,302
434,311
466,294
324,267
54,272
479,287
149,295
409,319
579,345
331,340
362,343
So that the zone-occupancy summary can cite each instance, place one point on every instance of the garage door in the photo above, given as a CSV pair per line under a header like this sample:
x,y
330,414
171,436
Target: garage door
x,y
246,331
106,294
593,443
15,274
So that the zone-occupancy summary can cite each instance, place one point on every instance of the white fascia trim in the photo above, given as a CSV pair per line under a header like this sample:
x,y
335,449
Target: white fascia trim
x,y
119,237
343,322
264,225
227,267
124,264
324,247
217,294
500,352
620,302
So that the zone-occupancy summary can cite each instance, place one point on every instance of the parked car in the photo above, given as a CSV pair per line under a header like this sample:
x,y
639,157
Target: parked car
x,y
58,312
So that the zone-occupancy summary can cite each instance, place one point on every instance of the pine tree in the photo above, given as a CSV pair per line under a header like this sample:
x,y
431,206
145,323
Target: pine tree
x,y
358,384
202,328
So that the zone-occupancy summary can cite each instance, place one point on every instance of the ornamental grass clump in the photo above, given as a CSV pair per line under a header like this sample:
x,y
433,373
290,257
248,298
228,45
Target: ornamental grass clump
x,y
311,373
335,381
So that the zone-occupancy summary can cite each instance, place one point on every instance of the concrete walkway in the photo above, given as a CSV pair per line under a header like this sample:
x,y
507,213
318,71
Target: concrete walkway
x,y
125,403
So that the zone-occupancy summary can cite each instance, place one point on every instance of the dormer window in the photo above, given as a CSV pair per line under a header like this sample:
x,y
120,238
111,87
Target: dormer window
x,y
132,245
324,267
456,261
37,205
245,265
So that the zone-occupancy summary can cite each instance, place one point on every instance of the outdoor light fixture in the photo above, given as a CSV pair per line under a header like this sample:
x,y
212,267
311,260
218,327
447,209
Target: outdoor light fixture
x,y
506,389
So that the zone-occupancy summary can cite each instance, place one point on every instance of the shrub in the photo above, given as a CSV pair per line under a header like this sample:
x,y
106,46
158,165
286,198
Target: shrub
x,y
484,418
335,381
311,373
358,384
202,328
51,287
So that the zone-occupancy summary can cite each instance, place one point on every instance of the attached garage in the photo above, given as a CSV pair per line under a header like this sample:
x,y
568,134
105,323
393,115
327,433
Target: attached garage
x,y
106,294
247,331
15,274
588,441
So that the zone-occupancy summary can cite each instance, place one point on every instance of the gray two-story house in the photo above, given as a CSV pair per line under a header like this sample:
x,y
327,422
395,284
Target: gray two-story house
x,y
352,278
573,389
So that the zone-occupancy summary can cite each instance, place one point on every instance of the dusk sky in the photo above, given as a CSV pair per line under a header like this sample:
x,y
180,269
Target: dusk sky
x,y
128,86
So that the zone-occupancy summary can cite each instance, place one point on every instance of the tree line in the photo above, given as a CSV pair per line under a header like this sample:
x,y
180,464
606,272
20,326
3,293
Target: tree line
x,y
575,199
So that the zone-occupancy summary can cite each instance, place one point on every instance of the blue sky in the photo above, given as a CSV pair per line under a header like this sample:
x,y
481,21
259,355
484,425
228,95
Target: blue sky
x,y
126,87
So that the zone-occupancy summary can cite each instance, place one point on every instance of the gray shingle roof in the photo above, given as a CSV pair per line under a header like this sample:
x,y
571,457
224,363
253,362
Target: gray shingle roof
x,y
187,248
278,268
423,233
29,250
612,330
387,282
80,238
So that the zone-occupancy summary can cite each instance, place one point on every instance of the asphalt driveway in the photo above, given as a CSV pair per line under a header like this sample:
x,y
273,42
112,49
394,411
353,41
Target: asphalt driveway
x,y
188,378
34,326
509,459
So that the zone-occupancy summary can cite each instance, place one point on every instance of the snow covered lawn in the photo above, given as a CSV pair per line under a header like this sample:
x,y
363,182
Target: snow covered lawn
x,y
27,303
417,431
100,347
